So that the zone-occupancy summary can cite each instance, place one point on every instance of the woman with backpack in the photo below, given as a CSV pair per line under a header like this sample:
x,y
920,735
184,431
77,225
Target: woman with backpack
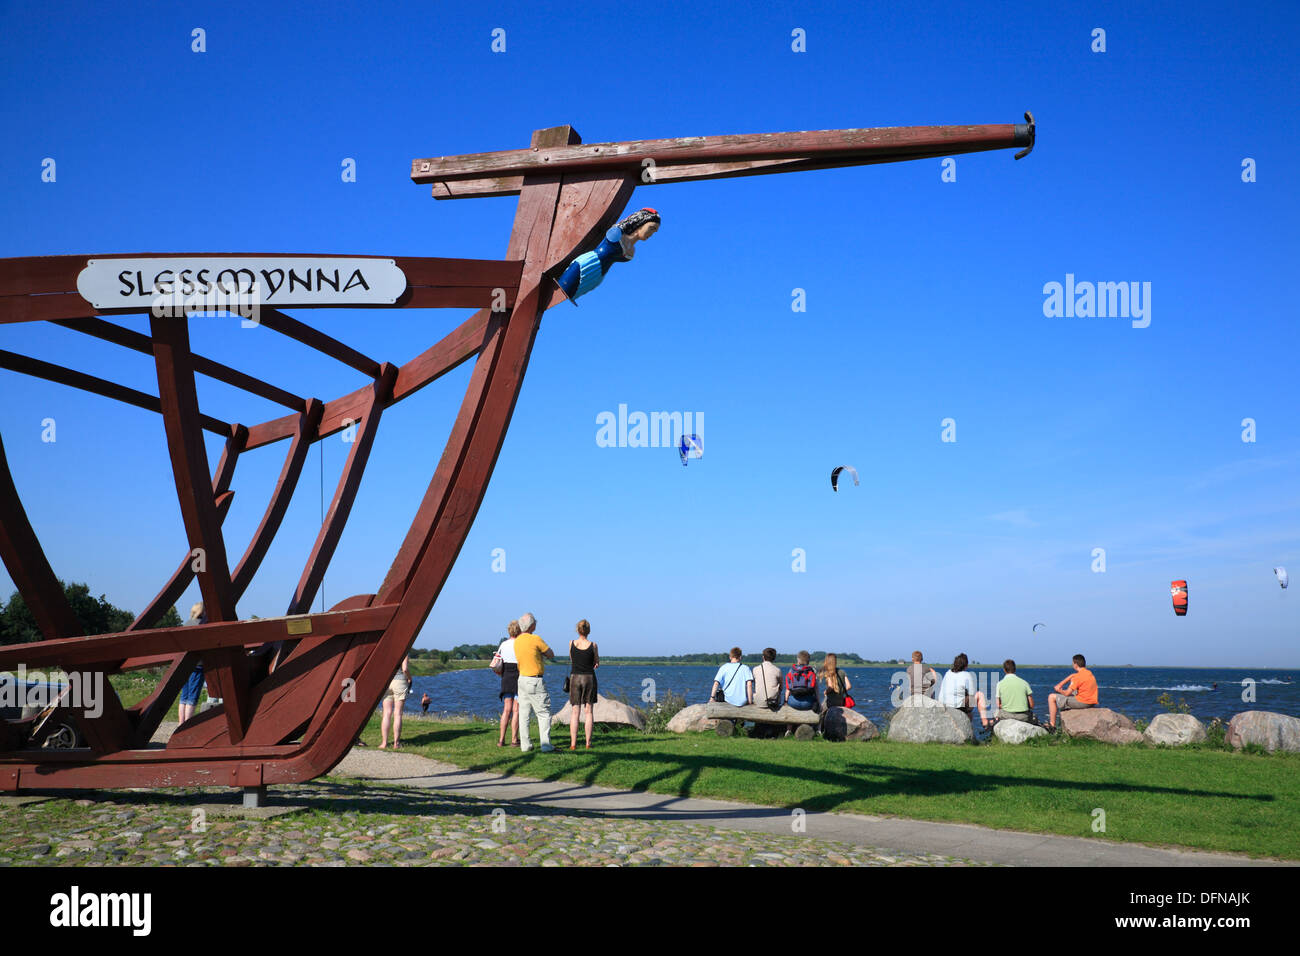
x,y
836,681
801,685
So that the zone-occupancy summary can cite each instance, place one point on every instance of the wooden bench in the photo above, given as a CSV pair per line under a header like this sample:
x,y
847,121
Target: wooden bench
x,y
729,717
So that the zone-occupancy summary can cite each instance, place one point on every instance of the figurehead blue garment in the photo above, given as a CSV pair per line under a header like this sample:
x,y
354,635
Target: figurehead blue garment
x,y
588,270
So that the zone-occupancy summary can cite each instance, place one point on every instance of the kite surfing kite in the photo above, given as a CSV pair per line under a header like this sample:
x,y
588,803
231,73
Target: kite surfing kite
x,y
835,476
1179,591
1281,577
1037,626
690,447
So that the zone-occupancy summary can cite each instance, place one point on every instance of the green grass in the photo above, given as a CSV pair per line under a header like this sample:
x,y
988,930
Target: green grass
x,y
1205,798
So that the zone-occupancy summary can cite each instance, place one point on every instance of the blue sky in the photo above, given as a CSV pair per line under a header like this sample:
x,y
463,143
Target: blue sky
x,y
924,302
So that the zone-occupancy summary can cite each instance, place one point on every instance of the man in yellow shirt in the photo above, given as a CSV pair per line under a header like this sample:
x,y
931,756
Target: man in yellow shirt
x,y
1077,691
532,653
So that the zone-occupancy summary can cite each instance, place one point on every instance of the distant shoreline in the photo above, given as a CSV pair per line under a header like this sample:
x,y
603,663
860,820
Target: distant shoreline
x,y
998,665
422,667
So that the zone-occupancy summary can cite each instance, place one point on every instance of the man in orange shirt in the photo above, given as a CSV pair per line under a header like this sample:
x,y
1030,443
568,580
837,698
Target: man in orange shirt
x,y
533,654
1076,692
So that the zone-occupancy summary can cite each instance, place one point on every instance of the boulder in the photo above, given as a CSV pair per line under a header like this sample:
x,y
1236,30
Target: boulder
x,y
843,723
605,711
1271,731
1176,730
1099,723
1016,731
921,721
691,719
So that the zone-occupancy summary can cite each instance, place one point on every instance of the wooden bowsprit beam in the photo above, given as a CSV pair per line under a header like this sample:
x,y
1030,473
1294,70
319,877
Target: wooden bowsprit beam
x,y
714,157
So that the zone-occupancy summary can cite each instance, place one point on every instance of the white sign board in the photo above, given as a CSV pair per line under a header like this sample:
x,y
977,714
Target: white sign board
x,y
266,280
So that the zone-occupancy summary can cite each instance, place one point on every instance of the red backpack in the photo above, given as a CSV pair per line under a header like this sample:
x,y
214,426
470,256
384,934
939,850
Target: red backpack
x,y
801,682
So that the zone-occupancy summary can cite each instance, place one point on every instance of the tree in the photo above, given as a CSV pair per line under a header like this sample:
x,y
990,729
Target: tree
x,y
173,619
95,615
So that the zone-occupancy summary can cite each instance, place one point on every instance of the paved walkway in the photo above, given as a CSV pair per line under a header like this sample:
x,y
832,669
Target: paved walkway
x,y
904,836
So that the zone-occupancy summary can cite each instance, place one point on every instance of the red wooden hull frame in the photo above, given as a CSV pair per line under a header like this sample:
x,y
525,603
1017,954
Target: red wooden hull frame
x,y
299,721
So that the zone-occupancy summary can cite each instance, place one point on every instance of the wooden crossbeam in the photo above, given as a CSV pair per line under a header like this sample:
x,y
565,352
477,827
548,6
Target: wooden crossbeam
x,y
204,366
318,340
89,383
344,495
70,653
260,543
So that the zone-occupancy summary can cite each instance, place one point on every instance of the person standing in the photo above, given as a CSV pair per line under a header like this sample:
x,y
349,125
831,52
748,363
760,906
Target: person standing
x,y
194,683
835,681
394,702
509,695
584,658
1077,691
736,681
532,653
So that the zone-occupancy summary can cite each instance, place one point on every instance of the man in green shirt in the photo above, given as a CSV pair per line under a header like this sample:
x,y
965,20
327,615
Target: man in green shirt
x,y
1015,696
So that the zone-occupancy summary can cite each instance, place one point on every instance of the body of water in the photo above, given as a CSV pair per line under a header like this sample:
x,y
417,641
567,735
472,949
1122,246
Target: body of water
x,y
1209,692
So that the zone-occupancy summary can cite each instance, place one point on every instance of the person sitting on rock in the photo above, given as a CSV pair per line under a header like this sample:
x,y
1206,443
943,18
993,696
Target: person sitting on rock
x,y
801,685
957,690
588,270
1076,692
835,681
921,679
1015,696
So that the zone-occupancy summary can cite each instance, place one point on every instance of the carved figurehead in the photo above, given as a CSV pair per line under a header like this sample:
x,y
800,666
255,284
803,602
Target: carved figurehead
x,y
619,245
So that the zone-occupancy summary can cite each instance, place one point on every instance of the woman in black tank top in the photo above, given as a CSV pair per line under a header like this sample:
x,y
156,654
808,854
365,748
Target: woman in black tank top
x,y
583,661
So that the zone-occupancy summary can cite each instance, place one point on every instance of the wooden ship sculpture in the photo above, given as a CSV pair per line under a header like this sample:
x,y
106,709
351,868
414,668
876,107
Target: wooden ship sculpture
x,y
296,721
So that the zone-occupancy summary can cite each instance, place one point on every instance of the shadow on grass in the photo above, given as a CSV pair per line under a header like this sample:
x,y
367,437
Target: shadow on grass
x,y
679,774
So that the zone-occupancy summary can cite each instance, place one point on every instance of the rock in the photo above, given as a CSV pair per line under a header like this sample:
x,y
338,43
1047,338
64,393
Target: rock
x,y
1016,731
1175,730
1269,730
921,721
1099,723
606,711
691,719
843,723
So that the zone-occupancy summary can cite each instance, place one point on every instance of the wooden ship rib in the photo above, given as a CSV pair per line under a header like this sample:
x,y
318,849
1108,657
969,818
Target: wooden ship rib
x,y
297,721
